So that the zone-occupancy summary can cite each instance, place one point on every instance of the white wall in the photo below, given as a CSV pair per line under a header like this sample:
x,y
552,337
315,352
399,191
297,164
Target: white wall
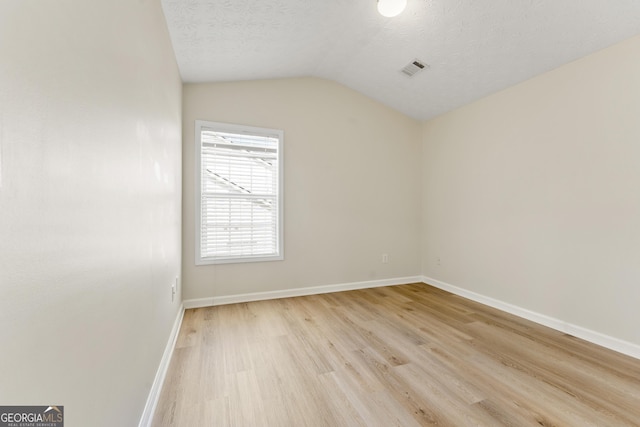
x,y
90,165
352,185
531,196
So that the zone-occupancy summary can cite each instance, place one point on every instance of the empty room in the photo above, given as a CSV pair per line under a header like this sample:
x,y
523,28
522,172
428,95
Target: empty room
x,y
319,213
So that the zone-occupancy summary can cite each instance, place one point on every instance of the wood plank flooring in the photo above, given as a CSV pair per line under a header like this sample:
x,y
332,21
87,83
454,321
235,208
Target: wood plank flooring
x,y
406,355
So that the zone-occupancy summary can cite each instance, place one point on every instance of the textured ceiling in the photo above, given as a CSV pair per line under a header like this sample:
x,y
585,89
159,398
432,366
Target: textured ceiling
x,y
473,48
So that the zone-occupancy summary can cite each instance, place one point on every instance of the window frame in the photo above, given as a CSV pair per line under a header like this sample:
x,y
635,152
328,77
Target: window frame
x,y
238,129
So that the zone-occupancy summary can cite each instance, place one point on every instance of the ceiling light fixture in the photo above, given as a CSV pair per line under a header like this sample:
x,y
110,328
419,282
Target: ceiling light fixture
x,y
391,8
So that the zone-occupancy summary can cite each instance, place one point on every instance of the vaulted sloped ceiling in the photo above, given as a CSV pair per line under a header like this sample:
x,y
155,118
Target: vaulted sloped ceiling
x,y
471,47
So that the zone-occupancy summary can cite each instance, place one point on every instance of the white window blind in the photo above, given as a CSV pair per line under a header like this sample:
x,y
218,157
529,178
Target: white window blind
x,y
240,193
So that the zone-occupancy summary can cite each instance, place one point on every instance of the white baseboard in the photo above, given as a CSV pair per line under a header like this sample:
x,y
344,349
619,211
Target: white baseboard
x,y
287,293
598,338
156,387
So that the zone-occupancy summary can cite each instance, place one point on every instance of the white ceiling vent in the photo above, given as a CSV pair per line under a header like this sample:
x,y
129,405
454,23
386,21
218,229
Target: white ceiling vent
x,y
413,67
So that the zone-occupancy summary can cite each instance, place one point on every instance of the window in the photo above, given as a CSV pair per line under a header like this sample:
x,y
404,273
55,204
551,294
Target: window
x,y
238,193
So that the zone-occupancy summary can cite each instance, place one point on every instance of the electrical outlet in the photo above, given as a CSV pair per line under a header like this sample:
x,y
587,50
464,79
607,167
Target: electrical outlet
x,y
174,288
385,258
438,261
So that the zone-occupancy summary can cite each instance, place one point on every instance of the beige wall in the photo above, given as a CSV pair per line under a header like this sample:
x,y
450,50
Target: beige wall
x,y
352,185
531,196
90,165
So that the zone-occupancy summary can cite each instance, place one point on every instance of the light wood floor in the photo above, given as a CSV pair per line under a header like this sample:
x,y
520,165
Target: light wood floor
x,y
397,356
